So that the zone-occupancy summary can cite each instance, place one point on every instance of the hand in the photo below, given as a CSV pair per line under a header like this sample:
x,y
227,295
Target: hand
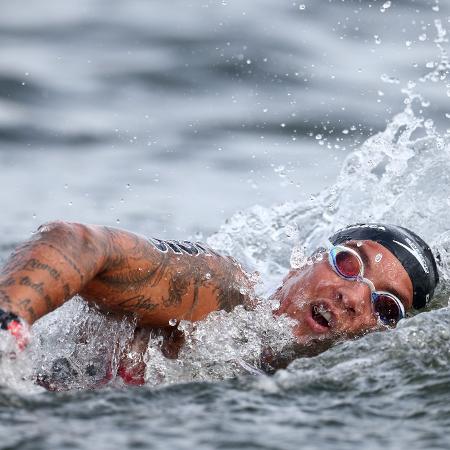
x,y
17,327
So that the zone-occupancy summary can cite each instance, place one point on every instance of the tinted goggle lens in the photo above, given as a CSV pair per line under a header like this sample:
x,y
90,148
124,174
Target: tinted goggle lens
x,y
347,263
388,309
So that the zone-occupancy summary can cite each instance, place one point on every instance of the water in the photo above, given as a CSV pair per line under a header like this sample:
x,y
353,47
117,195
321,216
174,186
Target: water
x,y
169,118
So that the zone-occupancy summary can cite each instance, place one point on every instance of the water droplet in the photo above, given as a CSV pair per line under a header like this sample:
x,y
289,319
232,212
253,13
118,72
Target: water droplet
x,y
345,131
318,136
387,79
172,322
302,7
378,257
291,231
423,37
117,220
298,257
283,125
280,170
377,39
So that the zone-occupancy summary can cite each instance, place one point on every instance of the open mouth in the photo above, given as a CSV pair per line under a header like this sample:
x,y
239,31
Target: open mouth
x,y
321,316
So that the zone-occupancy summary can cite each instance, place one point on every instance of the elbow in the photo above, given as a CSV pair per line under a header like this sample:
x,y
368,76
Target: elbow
x,y
82,242
71,234
61,229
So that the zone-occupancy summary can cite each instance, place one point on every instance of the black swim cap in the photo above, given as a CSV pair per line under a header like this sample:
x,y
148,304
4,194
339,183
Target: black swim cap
x,y
412,252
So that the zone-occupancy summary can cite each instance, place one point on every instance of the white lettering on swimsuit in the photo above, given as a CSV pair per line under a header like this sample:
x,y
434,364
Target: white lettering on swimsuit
x,y
180,247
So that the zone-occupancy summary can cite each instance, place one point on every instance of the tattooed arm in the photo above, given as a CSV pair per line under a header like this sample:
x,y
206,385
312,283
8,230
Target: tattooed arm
x,y
120,272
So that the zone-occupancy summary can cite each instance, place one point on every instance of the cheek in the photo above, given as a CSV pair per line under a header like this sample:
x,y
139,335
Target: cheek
x,y
304,284
307,282
365,323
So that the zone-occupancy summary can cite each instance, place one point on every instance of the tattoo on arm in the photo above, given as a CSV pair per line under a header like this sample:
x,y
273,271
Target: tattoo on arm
x,y
119,280
138,302
17,259
135,266
8,282
4,298
229,290
195,300
66,289
39,289
26,304
178,287
35,264
122,280
66,258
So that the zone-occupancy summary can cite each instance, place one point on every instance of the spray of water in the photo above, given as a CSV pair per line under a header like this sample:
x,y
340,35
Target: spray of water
x,y
400,175
223,345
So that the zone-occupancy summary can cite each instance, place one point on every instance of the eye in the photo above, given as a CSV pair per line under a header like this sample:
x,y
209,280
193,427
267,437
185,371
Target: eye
x,y
347,264
388,309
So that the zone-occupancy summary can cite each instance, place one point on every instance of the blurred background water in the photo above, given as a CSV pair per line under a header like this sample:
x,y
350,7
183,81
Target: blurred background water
x,y
167,118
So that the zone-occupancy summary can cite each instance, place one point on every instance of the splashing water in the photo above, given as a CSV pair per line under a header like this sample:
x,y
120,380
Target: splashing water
x,y
78,347
400,175
223,345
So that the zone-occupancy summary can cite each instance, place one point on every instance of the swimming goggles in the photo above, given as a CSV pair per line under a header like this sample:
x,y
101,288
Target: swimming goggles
x,y
347,263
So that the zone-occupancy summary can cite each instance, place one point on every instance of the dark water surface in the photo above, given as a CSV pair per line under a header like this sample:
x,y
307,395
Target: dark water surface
x,y
352,397
169,117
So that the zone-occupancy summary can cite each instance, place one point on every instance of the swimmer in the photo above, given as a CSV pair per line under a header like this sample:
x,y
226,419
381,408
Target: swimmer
x,y
368,279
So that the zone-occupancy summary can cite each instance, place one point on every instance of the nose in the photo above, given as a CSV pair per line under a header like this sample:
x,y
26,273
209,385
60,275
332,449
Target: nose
x,y
354,297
